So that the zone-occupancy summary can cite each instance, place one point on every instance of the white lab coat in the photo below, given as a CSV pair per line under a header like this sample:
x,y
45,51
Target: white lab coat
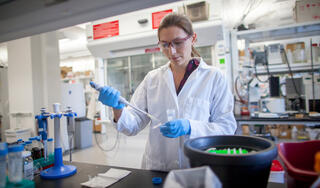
x,y
205,100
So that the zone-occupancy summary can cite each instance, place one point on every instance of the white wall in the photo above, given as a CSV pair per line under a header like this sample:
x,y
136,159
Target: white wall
x,y
4,102
20,83
33,76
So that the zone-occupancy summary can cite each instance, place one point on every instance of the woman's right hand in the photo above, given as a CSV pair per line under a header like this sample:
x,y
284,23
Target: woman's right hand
x,y
110,97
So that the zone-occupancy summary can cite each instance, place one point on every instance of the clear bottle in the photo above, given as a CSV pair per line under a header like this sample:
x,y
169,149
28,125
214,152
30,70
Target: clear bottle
x,y
299,54
289,56
40,146
315,53
28,146
3,164
15,164
294,132
27,165
50,146
33,141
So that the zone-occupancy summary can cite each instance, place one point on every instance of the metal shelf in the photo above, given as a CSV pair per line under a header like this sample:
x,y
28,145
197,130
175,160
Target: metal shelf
x,y
279,33
283,68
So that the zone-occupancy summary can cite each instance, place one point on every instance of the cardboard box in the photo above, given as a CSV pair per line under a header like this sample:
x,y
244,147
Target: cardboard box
x,y
307,10
64,71
198,11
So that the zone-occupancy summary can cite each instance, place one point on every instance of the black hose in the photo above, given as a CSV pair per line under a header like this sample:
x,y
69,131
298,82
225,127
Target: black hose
x,y
290,71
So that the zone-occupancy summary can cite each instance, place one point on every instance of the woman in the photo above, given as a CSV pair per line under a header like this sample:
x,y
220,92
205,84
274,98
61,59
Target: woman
x,y
195,95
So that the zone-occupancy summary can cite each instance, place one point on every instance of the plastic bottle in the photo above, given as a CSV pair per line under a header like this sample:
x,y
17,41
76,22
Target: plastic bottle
x,y
3,164
294,133
33,141
289,56
40,146
299,54
315,53
50,146
27,165
28,146
15,164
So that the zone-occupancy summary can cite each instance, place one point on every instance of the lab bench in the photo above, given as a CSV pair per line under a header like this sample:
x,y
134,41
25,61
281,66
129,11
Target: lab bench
x,y
137,177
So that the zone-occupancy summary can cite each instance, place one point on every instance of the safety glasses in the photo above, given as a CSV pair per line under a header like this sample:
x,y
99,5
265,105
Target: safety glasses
x,y
176,43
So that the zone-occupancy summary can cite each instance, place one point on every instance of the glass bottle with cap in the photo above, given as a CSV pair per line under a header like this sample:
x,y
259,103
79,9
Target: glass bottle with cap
x,y
3,163
35,151
27,165
15,163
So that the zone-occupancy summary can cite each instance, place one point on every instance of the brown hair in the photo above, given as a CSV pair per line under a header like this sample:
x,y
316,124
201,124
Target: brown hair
x,y
180,21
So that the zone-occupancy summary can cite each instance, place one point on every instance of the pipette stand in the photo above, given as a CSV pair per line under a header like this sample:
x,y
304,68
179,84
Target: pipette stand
x,y
43,129
70,127
59,170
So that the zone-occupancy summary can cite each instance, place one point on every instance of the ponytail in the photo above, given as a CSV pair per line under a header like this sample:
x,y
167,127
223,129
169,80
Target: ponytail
x,y
194,52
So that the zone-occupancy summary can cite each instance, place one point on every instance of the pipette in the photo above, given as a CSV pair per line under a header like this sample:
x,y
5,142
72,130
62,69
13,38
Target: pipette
x,y
124,101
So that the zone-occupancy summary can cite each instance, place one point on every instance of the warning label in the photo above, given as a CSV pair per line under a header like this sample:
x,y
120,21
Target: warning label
x,y
106,30
157,17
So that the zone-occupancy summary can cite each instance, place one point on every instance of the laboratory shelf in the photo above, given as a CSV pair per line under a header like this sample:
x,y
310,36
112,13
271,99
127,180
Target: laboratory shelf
x,y
283,68
266,35
282,32
78,78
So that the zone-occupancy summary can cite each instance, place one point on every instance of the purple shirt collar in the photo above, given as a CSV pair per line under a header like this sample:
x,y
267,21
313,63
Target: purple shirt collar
x,y
192,65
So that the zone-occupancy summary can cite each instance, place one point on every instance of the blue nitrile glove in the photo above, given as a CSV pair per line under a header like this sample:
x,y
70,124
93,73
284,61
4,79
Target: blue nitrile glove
x,y
110,97
176,128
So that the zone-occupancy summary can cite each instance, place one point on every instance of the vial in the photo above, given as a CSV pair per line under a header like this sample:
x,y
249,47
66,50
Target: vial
x,y
3,163
15,163
171,114
27,165
28,146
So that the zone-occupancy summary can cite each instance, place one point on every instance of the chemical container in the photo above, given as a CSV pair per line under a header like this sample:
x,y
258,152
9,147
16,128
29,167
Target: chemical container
x,y
298,159
15,165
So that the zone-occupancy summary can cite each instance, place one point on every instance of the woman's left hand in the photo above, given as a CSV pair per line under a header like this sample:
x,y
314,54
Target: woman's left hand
x,y
176,128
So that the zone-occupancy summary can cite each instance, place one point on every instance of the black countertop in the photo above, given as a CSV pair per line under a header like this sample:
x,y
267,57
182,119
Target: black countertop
x,y
137,178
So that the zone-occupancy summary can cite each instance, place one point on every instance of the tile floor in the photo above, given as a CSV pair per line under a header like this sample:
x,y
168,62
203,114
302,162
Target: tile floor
x,y
128,152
